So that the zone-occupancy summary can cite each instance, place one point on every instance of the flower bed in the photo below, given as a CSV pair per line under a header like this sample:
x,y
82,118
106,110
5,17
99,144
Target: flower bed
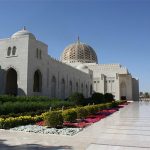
x,y
100,111
108,111
81,124
123,104
91,119
70,128
41,123
87,121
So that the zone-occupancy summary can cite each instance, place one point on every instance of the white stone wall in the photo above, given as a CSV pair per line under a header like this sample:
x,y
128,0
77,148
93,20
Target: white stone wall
x,y
108,77
107,69
17,62
25,62
135,89
50,67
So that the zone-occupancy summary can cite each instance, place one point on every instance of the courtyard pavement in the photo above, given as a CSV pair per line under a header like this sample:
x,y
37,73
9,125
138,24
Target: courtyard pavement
x,y
127,129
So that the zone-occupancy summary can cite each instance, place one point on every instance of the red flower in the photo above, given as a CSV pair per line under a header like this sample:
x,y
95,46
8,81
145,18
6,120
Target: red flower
x,y
41,123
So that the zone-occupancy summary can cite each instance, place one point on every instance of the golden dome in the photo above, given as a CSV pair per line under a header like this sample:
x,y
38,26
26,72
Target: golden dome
x,y
79,52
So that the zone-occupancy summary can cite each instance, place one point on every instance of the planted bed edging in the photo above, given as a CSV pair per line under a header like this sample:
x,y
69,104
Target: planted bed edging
x,y
24,120
45,130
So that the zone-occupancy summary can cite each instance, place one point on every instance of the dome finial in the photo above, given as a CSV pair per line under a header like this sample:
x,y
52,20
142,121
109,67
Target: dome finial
x,y
78,40
24,27
23,32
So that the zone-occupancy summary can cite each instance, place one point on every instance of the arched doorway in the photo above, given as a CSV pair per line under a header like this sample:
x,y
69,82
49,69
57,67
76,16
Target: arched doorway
x,y
123,90
86,90
37,85
77,88
53,87
11,82
91,90
63,89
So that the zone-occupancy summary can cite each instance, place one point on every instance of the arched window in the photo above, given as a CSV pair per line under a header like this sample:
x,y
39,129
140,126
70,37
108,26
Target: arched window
x,y
14,50
82,88
70,87
9,51
40,54
63,89
47,77
53,87
37,85
37,53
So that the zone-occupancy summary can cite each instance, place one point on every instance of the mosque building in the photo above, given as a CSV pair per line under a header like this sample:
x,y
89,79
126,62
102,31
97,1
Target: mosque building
x,y
27,69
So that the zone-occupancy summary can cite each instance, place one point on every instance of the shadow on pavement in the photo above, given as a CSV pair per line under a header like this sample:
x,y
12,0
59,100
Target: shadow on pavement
x,y
4,146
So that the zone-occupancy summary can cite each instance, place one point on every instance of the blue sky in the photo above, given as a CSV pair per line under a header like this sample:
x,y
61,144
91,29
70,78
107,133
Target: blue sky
x,y
118,30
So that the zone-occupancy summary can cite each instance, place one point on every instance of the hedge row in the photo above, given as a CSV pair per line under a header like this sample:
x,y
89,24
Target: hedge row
x,y
18,107
24,105
96,98
56,118
83,112
30,113
17,121
8,98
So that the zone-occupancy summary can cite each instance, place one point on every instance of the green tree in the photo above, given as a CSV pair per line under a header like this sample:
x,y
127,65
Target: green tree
x,y
146,95
108,97
141,93
77,98
97,98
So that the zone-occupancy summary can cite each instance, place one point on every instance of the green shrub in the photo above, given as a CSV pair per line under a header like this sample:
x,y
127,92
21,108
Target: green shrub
x,y
123,97
8,98
114,104
108,97
100,106
17,121
81,112
54,119
119,102
97,98
87,101
69,115
77,98
55,103
38,118
92,109
32,113
107,106
30,105
2,123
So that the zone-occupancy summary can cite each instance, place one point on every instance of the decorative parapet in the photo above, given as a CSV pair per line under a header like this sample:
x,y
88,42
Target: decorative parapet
x,y
109,67
67,65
